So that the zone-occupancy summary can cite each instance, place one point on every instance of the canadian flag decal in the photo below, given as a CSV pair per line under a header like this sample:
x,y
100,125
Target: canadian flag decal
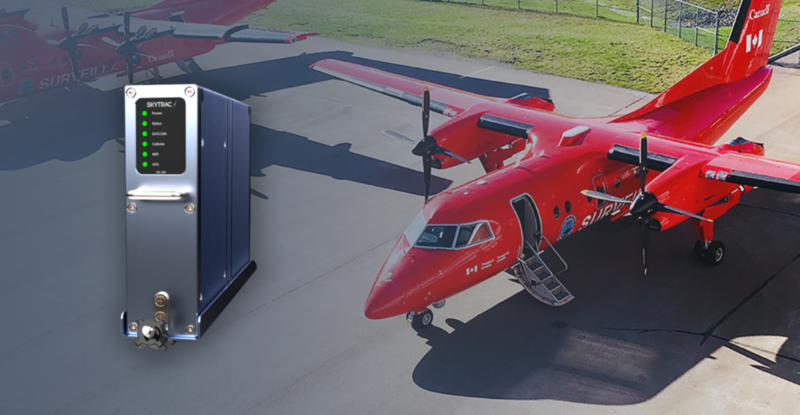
x,y
754,42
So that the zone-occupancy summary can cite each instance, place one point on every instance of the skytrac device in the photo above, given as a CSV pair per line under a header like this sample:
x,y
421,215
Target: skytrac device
x,y
187,189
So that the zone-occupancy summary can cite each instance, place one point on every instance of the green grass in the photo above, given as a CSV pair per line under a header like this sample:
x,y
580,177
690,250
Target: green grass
x,y
611,50
596,50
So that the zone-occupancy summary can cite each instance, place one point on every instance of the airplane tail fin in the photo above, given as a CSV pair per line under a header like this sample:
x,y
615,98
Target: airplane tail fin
x,y
751,38
746,52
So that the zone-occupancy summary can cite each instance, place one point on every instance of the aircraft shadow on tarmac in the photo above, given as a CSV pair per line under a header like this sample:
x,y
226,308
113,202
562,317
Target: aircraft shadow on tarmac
x,y
626,337
71,124
269,147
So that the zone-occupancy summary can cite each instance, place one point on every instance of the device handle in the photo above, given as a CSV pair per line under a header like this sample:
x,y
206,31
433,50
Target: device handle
x,y
154,195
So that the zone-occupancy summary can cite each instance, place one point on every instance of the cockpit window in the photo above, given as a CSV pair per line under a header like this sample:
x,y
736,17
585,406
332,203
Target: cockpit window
x,y
473,233
438,236
415,229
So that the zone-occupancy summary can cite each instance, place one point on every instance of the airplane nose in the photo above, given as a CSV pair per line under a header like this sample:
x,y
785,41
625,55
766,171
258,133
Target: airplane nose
x,y
380,303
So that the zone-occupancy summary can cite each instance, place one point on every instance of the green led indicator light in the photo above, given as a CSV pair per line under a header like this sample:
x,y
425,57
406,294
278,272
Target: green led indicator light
x,y
144,133
144,123
144,154
144,144
144,113
144,164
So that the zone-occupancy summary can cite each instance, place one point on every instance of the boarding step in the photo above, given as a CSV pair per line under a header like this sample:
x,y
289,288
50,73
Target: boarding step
x,y
540,281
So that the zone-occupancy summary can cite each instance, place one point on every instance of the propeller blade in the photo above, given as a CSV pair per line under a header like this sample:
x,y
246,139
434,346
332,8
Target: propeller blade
x,y
426,173
110,41
453,155
643,160
604,196
670,209
645,242
397,136
65,19
426,111
126,19
75,68
129,67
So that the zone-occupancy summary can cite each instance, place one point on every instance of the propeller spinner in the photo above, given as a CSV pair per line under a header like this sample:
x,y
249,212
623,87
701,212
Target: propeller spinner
x,y
644,205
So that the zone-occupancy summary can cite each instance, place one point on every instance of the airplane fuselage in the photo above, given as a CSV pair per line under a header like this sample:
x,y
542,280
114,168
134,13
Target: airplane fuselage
x,y
551,172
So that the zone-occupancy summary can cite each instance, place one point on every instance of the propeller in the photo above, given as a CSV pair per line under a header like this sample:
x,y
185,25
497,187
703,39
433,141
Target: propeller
x,y
644,205
70,43
128,48
428,146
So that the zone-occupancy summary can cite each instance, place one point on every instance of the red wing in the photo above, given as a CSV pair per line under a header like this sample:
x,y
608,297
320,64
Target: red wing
x,y
444,100
254,35
751,170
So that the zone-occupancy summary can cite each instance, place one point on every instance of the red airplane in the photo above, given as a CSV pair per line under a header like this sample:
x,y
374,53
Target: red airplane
x,y
36,54
657,163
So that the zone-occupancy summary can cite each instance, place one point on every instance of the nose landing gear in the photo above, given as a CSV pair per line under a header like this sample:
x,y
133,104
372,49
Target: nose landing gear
x,y
420,319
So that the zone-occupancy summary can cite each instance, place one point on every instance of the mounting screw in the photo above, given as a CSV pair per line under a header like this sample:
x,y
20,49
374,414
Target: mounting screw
x,y
160,316
132,327
190,92
131,207
189,208
160,300
190,329
130,92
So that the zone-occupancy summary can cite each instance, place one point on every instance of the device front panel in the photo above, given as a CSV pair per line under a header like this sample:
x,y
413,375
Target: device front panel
x,y
162,203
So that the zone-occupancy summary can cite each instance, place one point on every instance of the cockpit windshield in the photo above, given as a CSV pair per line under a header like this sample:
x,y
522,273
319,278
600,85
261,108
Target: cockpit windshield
x,y
415,229
423,235
438,236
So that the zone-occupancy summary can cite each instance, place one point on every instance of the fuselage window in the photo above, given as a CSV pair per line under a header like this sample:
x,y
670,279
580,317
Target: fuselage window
x,y
438,236
556,212
473,234
567,207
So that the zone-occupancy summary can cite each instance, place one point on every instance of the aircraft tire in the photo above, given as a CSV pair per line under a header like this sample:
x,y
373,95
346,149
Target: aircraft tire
x,y
715,253
422,320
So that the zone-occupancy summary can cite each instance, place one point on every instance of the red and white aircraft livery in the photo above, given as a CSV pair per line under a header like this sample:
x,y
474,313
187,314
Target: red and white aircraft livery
x,y
658,163
43,46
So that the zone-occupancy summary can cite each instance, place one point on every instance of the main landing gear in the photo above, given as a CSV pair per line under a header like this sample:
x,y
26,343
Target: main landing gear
x,y
706,249
710,253
422,319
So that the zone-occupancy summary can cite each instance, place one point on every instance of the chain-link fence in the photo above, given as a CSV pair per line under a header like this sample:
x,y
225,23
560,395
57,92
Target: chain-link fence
x,y
708,29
